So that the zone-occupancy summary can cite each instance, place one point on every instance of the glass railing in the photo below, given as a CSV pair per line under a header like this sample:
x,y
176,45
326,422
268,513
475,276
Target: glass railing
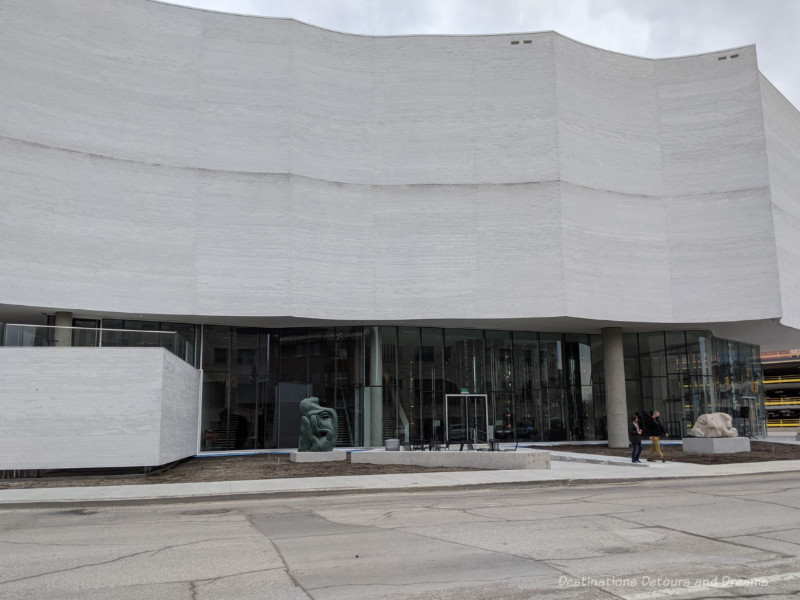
x,y
48,335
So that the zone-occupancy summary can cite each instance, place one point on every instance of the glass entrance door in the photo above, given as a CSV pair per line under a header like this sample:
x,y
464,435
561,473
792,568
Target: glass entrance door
x,y
466,418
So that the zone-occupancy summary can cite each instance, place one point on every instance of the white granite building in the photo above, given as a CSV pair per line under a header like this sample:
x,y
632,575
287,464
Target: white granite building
x,y
541,225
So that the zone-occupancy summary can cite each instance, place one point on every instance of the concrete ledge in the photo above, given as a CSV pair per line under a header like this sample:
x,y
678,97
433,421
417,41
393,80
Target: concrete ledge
x,y
469,460
726,445
306,457
595,459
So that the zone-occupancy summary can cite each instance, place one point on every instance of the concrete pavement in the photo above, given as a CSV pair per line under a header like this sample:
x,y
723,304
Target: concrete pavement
x,y
568,468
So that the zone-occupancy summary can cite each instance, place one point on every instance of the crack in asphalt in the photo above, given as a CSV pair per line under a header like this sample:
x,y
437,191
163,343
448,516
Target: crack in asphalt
x,y
152,551
286,569
720,540
414,583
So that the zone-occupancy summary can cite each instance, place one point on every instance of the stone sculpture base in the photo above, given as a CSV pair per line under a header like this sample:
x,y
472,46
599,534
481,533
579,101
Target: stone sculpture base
x,y
726,445
301,457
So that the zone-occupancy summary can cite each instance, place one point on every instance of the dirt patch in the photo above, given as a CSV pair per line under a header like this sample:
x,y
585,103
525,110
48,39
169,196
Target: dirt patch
x,y
271,466
228,468
759,452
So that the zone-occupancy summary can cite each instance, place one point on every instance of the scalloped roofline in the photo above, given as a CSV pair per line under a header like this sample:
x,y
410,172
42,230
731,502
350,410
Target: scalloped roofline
x,y
450,35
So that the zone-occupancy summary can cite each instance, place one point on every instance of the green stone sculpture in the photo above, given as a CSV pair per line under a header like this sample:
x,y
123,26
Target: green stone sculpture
x,y
318,427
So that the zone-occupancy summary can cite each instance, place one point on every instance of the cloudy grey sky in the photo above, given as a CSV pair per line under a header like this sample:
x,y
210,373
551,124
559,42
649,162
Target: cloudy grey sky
x,y
651,28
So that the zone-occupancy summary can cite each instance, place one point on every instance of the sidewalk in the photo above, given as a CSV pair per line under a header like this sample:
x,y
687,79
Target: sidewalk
x,y
566,469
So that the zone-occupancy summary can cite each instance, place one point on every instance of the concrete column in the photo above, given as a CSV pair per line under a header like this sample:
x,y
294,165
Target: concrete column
x,y
63,337
376,391
616,403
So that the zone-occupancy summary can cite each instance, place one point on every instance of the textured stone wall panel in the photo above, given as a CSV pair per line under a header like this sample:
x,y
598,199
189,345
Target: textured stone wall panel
x,y
782,124
171,161
95,407
180,398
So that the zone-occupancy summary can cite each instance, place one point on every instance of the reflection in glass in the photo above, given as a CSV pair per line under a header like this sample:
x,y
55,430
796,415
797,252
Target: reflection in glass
x,y
526,387
391,381
550,360
464,359
431,362
408,378
500,384
652,354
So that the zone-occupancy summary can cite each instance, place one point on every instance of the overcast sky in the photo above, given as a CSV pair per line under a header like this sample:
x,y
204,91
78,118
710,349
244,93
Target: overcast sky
x,y
651,28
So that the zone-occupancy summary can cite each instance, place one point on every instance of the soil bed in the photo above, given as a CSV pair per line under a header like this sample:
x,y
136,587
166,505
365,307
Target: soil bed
x,y
227,468
759,452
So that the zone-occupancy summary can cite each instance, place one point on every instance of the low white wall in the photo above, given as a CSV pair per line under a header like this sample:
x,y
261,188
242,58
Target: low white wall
x,y
95,407
469,460
305,457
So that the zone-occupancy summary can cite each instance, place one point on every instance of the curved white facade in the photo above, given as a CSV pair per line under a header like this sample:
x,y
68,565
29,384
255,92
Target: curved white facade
x,y
178,163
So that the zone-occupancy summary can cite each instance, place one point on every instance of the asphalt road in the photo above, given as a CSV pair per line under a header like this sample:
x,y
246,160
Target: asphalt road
x,y
698,538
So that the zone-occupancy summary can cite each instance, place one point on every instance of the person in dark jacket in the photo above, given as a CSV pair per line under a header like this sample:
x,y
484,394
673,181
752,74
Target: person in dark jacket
x,y
635,435
656,432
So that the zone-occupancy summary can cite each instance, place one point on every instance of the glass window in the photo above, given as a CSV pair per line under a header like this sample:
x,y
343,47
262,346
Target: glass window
x,y
553,415
551,360
654,392
348,355
408,351
294,355
463,358
381,364
527,403
578,371
699,352
633,396
244,342
678,406
527,386
652,354
89,337
216,348
323,359
677,361
344,379
499,361
114,338
526,361
391,369
431,362
630,349
500,385
578,352
215,427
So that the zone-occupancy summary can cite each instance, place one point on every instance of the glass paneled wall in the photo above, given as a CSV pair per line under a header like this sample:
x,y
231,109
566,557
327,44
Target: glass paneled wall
x,y
254,380
684,374
394,382
387,382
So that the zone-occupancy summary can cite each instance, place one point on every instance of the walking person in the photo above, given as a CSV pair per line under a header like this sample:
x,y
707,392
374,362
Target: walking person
x,y
656,431
635,435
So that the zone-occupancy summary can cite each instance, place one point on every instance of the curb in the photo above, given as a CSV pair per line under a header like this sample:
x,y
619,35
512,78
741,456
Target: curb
x,y
282,494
